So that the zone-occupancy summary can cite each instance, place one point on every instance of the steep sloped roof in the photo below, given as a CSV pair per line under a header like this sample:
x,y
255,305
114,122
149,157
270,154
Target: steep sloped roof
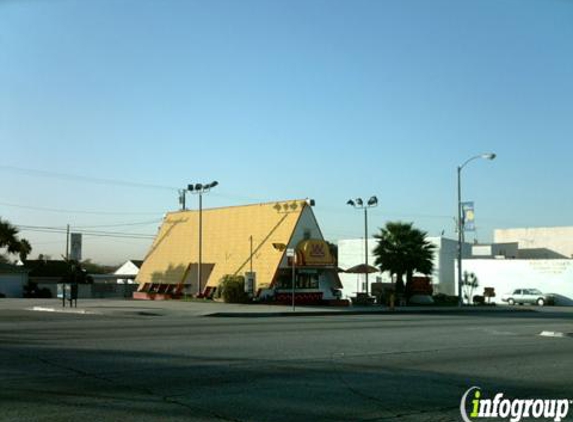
x,y
137,262
173,256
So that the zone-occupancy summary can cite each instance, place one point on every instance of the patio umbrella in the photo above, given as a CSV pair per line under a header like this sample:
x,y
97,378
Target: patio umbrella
x,y
362,269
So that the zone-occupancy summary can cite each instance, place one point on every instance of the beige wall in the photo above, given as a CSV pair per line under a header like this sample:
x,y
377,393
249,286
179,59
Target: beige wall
x,y
542,242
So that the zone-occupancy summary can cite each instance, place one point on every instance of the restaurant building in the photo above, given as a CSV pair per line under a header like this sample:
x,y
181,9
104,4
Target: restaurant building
x,y
241,240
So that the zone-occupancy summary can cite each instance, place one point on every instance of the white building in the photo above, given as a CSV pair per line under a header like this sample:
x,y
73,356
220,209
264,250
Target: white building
x,y
525,258
129,268
351,253
12,280
518,258
551,276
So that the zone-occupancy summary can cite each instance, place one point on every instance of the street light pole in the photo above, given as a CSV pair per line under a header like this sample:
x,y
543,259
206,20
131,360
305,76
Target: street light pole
x,y
366,247
200,189
488,156
199,272
290,253
460,237
293,280
358,203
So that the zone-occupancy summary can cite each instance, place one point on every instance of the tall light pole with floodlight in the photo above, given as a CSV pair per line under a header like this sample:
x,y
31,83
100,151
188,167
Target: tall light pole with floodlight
x,y
487,156
359,204
200,189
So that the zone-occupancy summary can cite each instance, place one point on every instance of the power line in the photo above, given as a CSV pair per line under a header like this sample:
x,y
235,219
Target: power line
x,y
48,229
30,207
87,179
142,223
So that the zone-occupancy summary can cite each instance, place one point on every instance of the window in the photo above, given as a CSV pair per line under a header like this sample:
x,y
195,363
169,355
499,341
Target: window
x,y
304,280
307,281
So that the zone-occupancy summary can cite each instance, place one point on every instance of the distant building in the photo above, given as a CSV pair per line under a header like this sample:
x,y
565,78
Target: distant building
x,y
508,250
236,239
129,268
518,258
551,276
46,271
12,280
539,242
525,258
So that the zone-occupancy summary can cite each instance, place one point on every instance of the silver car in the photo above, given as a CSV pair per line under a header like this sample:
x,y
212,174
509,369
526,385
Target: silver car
x,y
523,296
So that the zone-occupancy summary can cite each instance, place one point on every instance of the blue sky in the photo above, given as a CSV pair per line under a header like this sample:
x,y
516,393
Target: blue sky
x,y
283,99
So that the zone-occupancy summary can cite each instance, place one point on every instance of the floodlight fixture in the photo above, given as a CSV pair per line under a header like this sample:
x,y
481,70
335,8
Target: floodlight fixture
x,y
489,156
279,246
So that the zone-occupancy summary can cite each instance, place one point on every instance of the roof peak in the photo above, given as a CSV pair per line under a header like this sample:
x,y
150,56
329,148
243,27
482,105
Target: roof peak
x,y
304,202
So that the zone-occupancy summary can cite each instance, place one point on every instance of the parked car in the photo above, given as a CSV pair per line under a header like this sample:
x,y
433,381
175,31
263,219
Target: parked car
x,y
533,296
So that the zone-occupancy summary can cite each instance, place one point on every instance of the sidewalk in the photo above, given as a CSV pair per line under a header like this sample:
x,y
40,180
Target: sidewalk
x,y
222,310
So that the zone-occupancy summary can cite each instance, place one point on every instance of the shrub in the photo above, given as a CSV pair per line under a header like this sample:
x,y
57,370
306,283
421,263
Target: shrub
x,y
479,300
442,299
232,289
31,290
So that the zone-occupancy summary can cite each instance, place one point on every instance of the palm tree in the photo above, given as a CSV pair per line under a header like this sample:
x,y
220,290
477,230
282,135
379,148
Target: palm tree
x,y
403,250
24,249
9,240
8,237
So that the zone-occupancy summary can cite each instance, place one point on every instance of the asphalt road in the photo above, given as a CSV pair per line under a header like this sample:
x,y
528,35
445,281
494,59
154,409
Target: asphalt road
x,y
161,367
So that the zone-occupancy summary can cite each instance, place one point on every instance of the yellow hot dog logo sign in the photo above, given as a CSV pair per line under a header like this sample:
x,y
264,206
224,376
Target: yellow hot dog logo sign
x,y
314,252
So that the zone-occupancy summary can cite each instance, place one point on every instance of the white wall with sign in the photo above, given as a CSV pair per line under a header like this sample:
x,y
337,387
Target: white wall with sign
x,y
351,252
505,275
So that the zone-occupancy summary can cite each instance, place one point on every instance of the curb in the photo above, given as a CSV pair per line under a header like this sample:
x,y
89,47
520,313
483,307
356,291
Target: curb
x,y
380,312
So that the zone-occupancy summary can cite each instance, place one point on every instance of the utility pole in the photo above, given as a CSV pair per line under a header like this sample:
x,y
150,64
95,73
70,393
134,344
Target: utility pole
x,y
68,243
251,255
182,197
